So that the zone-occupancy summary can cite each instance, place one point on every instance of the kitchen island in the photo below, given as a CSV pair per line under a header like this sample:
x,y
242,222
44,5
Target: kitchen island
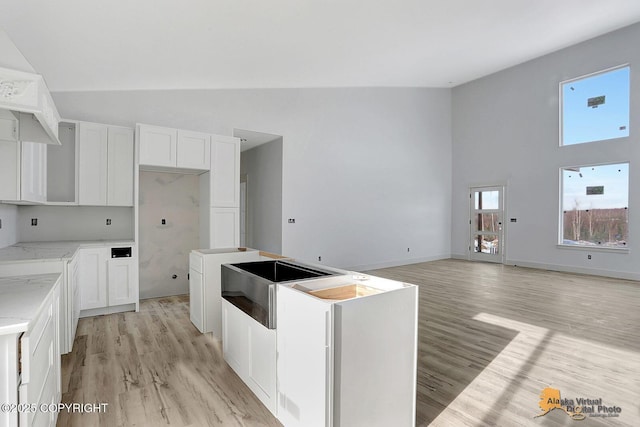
x,y
340,348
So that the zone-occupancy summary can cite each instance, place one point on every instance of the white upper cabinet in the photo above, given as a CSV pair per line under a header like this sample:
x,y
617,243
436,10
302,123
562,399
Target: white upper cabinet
x,y
34,172
194,150
92,167
171,149
105,166
62,183
158,146
120,167
224,227
23,172
225,172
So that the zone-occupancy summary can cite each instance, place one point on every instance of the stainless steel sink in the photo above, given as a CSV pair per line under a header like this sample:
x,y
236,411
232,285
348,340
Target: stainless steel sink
x,y
251,286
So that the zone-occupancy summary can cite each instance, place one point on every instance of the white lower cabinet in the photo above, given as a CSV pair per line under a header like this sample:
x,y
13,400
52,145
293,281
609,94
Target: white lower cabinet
x,y
250,349
205,285
107,284
40,359
304,359
347,363
122,278
73,300
196,298
93,278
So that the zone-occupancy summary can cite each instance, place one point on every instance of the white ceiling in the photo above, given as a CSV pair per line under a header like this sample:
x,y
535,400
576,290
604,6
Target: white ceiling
x,y
197,44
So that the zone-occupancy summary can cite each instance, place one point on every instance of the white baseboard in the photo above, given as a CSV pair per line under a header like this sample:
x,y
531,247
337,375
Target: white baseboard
x,y
107,310
580,270
396,263
460,256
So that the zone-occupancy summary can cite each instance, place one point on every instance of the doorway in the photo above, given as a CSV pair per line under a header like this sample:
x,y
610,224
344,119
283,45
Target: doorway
x,y
486,235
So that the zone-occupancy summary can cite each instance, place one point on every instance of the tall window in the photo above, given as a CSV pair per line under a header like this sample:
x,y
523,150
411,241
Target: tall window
x,y
596,107
595,203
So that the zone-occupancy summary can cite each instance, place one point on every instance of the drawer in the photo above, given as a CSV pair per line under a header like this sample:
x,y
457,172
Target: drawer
x,y
196,262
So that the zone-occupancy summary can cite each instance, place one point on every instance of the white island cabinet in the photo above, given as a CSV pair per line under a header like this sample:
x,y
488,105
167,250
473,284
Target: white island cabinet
x,y
29,349
205,286
346,350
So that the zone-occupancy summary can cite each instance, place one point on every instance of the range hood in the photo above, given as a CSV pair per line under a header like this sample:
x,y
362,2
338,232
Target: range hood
x,y
27,109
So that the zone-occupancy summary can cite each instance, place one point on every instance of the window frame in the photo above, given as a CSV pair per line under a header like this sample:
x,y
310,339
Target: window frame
x,y
594,248
561,104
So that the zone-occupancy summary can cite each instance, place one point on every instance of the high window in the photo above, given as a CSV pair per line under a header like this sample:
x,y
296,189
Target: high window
x,y
595,203
595,107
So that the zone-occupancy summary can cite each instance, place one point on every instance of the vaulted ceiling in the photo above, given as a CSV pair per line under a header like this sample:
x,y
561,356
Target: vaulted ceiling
x,y
196,44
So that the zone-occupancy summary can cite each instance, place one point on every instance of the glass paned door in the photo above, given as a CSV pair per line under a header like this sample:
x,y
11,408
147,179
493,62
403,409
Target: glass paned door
x,y
486,228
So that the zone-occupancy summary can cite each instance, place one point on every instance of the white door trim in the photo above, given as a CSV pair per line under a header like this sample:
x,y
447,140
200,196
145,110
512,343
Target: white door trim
x,y
500,257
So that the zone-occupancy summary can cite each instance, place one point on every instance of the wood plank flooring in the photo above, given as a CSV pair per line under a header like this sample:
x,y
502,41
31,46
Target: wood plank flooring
x,y
154,368
491,337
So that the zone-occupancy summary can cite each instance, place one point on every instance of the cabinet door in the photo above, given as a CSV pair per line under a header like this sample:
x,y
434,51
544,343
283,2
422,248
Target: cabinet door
x,y
93,278
261,370
120,167
122,281
225,173
304,366
225,228
235,340
9,170
194,150
34,172
92,164
158,146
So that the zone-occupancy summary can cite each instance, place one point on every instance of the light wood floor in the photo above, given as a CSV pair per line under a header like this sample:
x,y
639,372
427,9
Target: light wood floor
x,y
490,339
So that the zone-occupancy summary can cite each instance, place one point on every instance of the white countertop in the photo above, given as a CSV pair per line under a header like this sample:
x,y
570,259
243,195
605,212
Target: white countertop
x,y
52,251
21,299
223,251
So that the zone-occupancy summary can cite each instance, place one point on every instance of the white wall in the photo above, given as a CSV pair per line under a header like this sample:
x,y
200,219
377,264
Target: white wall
x,y
505,130
263,167
366,171
8,232
74,223
164,249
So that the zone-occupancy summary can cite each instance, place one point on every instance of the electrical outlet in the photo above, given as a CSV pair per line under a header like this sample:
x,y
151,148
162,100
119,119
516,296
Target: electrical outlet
x,y
164,221
34,222
319,258
589,256
408,250
108,221
292,220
